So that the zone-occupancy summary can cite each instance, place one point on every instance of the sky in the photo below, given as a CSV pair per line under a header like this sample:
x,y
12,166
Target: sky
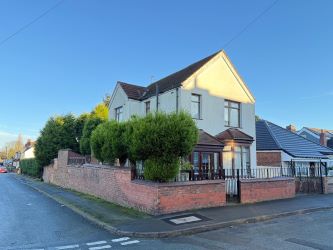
x,y
70,58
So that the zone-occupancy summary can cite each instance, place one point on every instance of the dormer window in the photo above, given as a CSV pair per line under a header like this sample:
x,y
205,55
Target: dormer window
x,y
231,114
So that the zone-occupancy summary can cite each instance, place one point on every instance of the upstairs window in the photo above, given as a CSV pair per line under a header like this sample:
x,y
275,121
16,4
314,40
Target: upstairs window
x,y
119,113
231,114
196,106
147,106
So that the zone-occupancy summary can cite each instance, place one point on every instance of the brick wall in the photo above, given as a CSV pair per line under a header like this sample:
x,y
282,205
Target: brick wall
x,y
256,190
115,185
269,159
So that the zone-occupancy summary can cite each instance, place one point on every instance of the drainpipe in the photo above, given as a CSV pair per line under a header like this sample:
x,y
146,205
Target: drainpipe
x,y
157,91
177,101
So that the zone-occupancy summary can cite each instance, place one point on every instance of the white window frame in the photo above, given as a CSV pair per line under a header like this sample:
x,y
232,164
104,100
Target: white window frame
x,y
227,105
199,102
119,113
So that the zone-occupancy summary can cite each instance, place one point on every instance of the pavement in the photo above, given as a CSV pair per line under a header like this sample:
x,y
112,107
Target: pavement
x,y
129,223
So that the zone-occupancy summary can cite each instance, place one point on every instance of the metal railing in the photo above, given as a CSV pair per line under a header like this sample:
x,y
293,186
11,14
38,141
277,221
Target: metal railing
x,y
258,173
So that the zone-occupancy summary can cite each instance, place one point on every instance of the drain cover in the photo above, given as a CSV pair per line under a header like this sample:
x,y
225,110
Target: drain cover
x,y
185,219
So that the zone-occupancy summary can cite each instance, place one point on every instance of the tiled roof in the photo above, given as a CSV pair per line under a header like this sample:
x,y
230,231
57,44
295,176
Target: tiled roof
x,y
167,83
175,80
207,139
273,137
234,134
132,91
318,130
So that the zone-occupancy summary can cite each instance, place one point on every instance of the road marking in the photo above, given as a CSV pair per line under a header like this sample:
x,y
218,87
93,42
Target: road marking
x,y
120,239
129,242
96,243
101,247
67,247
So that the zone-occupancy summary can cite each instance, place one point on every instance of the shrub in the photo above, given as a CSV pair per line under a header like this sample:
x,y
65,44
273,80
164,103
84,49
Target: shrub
x,y
97,141
161,170
31,167
58,133
108,142
158,139
89,125
163,136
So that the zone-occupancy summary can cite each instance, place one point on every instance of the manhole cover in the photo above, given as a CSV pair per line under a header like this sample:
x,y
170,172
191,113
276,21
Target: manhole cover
x,y
185,219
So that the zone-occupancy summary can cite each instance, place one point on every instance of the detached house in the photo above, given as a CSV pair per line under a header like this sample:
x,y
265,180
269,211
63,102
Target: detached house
x,y
221,104
317,135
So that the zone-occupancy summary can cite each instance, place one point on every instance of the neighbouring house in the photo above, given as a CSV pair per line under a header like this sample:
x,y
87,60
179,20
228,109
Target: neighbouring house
x,y
279,147
29,150
317,135
221,104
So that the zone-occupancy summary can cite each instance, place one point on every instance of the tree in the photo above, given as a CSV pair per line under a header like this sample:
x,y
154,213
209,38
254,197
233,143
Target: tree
x,y
158,139
79,124
161,140
97,141
89,125
101,111
257,117
107,100
14,146
58,133
163,136
108,142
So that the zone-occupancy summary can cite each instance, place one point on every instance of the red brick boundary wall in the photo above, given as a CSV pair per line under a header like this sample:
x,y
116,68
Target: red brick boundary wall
x,y
256,190
115,185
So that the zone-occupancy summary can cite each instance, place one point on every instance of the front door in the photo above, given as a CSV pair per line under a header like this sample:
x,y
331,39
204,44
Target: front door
x,y
207,165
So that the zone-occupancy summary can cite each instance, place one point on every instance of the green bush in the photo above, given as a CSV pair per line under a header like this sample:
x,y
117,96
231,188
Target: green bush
x,y
58,133
108,142
97,141
161,170
163,136
89,125
159,139
31,167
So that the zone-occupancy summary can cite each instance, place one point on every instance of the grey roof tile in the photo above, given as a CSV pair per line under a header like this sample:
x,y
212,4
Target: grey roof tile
x,y
273,137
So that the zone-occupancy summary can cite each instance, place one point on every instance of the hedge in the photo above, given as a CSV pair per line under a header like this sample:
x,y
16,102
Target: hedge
x,y
31,167
158,139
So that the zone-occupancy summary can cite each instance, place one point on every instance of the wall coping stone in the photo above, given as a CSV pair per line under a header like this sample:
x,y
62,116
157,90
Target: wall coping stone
x,y
268,179
174,184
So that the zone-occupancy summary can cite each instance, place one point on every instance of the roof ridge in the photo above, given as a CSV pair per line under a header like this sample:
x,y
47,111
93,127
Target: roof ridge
x,y
121,82
300,136
188,66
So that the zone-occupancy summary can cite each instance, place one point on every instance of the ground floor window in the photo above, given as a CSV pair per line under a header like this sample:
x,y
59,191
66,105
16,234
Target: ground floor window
x,y
236,157
205,163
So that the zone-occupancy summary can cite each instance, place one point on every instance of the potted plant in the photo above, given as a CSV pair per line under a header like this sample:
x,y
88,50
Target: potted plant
x,y
184,171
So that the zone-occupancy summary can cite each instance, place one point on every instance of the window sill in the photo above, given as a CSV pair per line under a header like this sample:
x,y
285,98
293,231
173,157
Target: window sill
x,y
197,118
232,127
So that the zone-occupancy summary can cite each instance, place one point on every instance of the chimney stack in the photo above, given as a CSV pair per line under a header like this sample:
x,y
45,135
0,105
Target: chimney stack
x,y
323,140
291,128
